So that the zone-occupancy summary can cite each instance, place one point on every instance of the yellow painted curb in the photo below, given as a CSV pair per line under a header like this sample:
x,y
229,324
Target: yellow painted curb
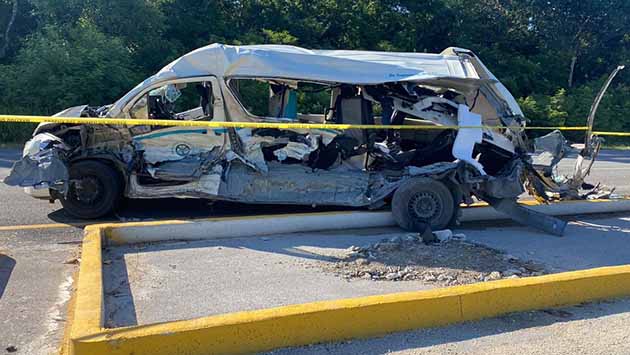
x,y
266,329
89,305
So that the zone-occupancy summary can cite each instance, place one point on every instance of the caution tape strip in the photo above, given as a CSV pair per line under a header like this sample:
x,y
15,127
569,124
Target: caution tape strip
x,y
272,125
615,134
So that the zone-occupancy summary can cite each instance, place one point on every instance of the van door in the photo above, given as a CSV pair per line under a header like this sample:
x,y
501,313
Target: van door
x,y
178,154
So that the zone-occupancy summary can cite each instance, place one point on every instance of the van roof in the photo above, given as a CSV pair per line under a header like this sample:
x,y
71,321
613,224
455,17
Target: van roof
x,y
333,66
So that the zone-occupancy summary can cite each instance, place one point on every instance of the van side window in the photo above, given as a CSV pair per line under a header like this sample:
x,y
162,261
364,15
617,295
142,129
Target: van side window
x,y
281,99
182,101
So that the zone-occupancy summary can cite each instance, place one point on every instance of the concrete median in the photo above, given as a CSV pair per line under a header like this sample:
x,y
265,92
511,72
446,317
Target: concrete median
x,y
231,227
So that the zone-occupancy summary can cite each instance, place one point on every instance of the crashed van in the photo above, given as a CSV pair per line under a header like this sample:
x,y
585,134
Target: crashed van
x,y
424,173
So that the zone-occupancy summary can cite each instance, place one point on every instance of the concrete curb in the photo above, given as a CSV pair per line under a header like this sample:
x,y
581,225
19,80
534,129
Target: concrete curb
x,y
295,325
234,227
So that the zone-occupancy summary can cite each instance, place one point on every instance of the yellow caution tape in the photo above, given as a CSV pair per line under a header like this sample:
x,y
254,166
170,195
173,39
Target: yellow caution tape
x,y
617,134
272,125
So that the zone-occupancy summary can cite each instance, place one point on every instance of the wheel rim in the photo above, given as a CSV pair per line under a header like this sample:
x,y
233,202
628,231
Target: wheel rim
x,y
87,190
425,206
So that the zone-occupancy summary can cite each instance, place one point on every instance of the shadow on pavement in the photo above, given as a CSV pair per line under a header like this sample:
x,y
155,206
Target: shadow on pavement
x,y
116,285
176,208
7,264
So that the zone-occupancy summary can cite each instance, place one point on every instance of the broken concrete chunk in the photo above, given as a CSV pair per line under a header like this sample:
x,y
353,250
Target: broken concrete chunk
x,y
510,272
495,275
443,236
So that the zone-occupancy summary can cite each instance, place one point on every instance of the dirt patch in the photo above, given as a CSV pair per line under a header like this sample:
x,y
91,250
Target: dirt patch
x,y
452,261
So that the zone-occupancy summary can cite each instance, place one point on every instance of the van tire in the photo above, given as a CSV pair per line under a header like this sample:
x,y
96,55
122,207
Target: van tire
x,y
100,193
423,201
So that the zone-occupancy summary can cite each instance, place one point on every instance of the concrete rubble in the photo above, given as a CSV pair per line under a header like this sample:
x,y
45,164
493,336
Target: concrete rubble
x,y
441,257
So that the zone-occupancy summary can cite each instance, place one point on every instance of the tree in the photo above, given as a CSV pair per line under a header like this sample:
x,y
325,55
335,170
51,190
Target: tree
x,y
5,46
587,35
56,69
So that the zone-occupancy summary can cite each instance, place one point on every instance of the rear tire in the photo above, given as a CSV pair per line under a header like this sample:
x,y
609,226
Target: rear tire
x,y
95,190
423,201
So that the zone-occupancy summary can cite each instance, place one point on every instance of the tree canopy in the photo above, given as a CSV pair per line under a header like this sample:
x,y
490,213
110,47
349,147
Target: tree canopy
x,y
553,55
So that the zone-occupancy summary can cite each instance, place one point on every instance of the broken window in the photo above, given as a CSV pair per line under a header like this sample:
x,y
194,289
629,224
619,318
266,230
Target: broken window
x,y
283,99
179,101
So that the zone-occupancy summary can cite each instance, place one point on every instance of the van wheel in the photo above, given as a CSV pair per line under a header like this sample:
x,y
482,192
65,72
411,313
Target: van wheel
x,y
95,190
421,201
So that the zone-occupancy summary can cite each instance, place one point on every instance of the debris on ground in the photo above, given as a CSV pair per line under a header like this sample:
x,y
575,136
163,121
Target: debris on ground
x,y
446,259
72,261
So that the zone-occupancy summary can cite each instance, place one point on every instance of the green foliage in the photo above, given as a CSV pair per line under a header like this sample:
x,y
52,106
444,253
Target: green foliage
x,y
281,37
553,55
57,69
254,95
313,99
544,110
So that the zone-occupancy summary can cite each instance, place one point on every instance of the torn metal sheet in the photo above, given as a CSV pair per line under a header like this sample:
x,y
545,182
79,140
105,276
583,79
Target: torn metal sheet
x,y
508,183
294,150
285,184
552,148
187,169
526,216
207,186
432,169
42,170
468,137
43,164
547,184
298,150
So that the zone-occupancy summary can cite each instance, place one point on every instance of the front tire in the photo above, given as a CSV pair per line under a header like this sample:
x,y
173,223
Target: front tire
x,y
94,190
423,201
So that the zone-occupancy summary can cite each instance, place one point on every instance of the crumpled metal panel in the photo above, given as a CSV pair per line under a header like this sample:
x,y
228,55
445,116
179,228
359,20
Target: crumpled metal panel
x,y
44,169
295,184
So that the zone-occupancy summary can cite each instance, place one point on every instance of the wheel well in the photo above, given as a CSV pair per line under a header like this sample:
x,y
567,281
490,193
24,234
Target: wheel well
x,y
455,189
112,162
450,180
